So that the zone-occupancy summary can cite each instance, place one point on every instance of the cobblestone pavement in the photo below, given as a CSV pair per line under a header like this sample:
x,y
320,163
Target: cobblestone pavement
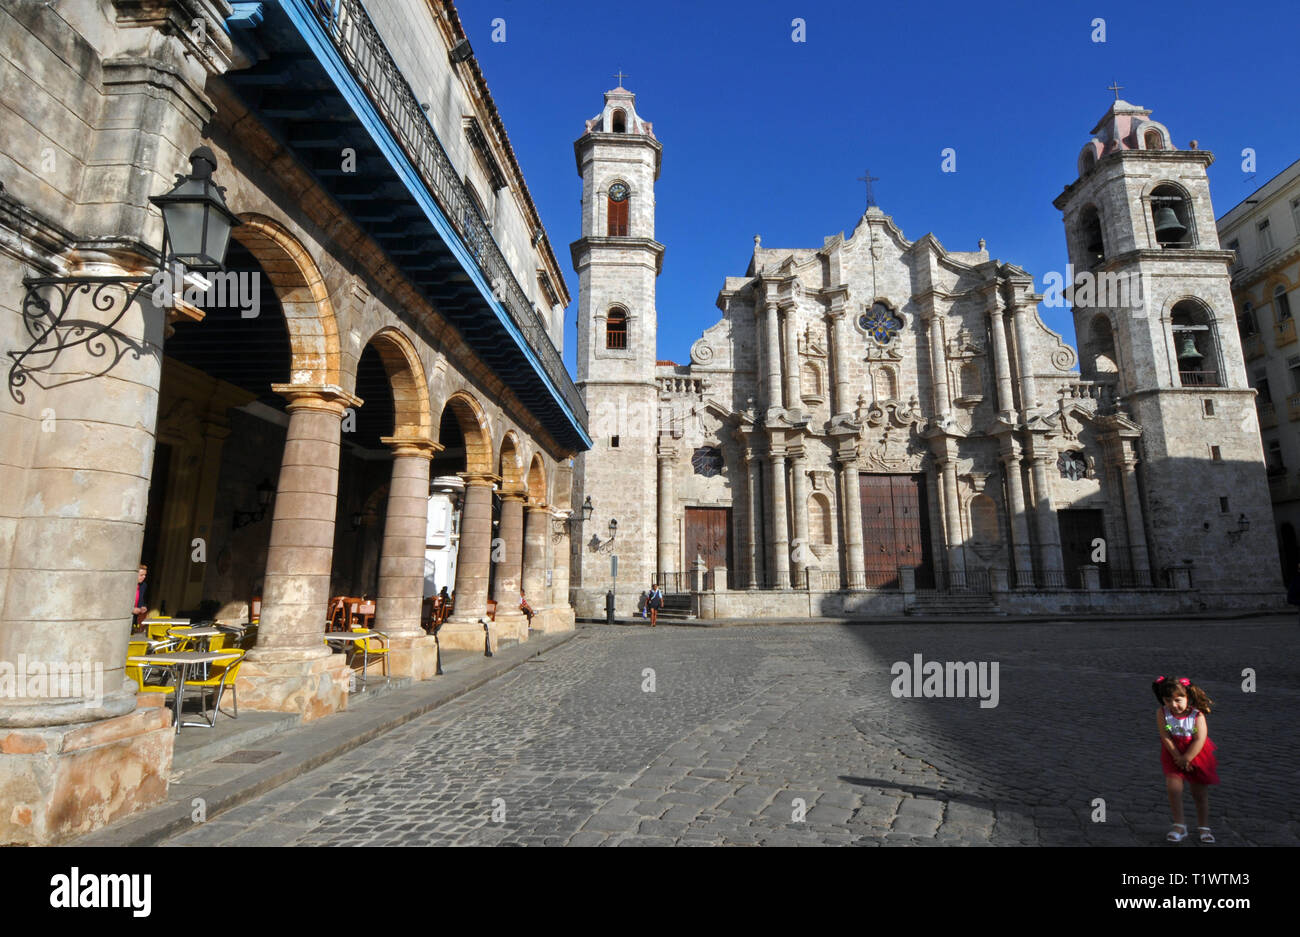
x,y
749,728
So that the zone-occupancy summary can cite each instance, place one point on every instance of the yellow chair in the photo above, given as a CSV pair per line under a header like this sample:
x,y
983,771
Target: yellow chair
x,y
136,671
222,676
369,648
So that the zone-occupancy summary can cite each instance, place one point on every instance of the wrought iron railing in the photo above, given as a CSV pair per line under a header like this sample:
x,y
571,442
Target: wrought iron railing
x,y
359,43
963,580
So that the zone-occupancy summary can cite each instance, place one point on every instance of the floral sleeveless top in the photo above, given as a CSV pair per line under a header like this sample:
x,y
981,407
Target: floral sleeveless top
x,y
1181,727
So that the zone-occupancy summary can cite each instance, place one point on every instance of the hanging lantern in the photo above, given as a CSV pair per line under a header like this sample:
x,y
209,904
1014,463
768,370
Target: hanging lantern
x,y
196,221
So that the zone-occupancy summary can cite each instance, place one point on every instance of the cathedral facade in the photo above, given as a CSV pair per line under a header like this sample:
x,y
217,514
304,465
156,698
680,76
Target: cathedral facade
x,y
879,422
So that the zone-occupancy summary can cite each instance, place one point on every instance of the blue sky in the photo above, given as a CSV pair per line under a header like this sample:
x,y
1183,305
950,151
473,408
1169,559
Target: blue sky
x,y
764,135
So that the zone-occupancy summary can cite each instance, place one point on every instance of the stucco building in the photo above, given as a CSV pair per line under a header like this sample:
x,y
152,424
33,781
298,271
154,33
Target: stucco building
x,y
391,312
880,424
1264,233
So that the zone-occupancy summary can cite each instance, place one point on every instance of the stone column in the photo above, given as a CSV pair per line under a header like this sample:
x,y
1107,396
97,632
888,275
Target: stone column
x,y
771,359
780,537
561,616
952,515
1024,358
939,368
667,524
851,499
840,338
463,631
1002,364
79,754
1137,540
1021,548
1049,531
510,621
537,530
754,512
803,554
412,652
291,669
793,401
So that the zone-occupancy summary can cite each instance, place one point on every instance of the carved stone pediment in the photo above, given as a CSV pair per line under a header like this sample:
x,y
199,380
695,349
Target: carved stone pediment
x,y
892,449
890,412
963,345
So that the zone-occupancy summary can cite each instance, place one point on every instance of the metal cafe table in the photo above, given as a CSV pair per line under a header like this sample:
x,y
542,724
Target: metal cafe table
x,y
200,633
181,662
354,637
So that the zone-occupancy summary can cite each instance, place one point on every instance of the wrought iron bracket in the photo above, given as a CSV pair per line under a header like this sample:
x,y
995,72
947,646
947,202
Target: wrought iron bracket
x,y
46,303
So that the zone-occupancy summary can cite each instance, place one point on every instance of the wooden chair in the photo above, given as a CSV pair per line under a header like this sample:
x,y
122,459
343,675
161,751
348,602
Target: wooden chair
x,y
337,617
362,612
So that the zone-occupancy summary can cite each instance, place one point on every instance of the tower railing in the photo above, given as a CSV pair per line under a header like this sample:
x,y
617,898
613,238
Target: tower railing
x,y
363,50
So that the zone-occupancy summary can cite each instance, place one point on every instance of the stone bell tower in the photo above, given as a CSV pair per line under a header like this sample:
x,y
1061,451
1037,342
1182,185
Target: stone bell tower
x,y
617,260
1153,313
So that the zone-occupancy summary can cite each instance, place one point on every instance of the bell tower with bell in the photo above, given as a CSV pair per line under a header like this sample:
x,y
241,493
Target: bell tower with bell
x,y
1155,320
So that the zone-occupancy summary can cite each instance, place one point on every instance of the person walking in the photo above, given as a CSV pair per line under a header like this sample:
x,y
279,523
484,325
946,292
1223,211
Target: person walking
x,y
654,602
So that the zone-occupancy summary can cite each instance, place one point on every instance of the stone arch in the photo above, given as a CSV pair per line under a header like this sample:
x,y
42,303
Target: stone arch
x,y
474,427
887,389
309,316
1191,317
1166,194
412,413
820,523
1101,341
537,480
1092,241
510,464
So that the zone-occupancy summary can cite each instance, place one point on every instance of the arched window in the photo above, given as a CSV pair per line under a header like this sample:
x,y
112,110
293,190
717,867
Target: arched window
x,y
619,199
1246,321
1094,246
616,328
1196,345
618,120
1153,140
1171,211
1102,344
1283,303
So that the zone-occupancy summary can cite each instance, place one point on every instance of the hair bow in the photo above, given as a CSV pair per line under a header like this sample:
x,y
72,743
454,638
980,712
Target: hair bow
x,y
1184,681
1160,679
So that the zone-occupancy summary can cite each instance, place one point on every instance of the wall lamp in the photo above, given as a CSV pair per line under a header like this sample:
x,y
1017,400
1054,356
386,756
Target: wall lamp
x,y
265,492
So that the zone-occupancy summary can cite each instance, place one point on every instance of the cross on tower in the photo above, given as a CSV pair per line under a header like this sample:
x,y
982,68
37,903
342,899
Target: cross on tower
x,y
871,195
1116,87
620,76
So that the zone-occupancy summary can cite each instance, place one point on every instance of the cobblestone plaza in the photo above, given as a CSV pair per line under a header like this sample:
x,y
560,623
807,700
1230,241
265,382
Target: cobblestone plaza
x,y
748,728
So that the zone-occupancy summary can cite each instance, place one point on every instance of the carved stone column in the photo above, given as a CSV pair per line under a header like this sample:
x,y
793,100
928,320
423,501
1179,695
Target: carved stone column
x,y
667,522
1137,539
939,367
947,465
851,499
537,530
413,653
1021,547
510,621
790,319
463,631
1001,363
1024,359
291,669
771,359
1049,531
780,536
753,517
840,337
803,554
561,616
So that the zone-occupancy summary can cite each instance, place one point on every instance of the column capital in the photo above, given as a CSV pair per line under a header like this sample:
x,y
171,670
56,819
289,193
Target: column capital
x,y
479,479
776,454
666,453
421,447
537,507
518,495
329,398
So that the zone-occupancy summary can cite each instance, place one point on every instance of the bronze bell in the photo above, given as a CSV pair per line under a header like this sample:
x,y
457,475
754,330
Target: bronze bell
x,y
1168,227
1188,351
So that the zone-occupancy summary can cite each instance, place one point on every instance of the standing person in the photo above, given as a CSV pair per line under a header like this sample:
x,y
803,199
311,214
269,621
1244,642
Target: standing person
x,y
1187,754
139,609
654,602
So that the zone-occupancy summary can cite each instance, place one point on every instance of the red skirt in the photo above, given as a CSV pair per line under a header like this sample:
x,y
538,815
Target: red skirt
x,y
1204,768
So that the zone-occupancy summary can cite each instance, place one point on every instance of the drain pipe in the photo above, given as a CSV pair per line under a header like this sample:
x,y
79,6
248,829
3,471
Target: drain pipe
x,y
487,638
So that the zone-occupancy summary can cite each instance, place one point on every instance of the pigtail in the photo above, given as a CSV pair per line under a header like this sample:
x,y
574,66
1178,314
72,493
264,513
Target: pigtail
x,y
1158,687
1198,698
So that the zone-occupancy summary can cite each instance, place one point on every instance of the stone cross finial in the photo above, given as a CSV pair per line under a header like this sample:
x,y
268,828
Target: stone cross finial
x,y
871,195
1116,87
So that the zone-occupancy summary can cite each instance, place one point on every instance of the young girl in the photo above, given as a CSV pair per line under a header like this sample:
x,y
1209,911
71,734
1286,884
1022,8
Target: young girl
x,y
1186,751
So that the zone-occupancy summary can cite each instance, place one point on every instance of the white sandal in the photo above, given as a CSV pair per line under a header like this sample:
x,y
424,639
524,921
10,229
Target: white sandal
x,y
1206,835
1174,836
